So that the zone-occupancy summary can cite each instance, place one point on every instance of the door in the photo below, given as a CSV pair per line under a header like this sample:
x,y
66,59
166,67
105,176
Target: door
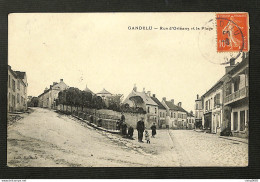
x,y
242,120
235,121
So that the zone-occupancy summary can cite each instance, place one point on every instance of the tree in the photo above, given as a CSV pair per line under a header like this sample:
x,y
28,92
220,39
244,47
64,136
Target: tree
x,y
33,102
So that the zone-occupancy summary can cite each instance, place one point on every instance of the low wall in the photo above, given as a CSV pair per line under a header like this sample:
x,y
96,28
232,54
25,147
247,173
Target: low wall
x,y
107,115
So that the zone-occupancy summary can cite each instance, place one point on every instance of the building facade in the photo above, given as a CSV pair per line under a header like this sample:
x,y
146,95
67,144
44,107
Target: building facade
x,y
236,98
161,112
177,115
17,91
190,120
226,104
198,112
143,100
48,98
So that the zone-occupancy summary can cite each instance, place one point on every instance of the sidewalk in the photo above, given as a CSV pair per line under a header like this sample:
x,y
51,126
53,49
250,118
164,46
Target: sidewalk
x,y
237,139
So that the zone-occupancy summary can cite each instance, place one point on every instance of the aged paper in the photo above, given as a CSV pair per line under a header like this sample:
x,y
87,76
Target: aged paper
x,y
128,89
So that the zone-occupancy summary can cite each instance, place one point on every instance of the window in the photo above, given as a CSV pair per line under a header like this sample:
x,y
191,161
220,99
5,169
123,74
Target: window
x,y
242,120
18,98
235,121
228,88
9,81
18,85
174,115
13,85
171,114
217,100
197,106
155,110
163,114
148,109
236,84
160,114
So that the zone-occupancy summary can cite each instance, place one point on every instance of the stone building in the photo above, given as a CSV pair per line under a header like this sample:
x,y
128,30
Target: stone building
x,y
198,112
143,100
226,103
161,115
48,98
17,90
178,116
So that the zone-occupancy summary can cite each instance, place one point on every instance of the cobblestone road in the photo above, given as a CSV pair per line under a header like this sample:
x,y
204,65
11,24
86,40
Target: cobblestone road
x,y
47,139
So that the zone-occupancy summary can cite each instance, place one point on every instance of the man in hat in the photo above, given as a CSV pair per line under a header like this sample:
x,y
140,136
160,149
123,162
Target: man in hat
x,y
140,128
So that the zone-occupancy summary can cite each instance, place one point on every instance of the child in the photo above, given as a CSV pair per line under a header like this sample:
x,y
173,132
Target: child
x,y
147,137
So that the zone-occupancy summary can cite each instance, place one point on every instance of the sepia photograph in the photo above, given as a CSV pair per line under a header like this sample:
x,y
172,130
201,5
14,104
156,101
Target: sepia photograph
x,y
128,89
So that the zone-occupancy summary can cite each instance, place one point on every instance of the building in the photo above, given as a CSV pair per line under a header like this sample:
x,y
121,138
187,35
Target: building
x,y
198,112
178,116
143,100
225,104
236,101
48,98
213,108
161,112
17,90
190,120
88,90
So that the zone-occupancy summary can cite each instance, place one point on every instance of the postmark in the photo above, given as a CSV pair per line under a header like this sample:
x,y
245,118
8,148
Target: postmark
x,y
232,32
229,40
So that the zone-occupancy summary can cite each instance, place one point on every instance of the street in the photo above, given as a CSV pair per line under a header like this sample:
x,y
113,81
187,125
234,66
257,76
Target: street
x,y
45,138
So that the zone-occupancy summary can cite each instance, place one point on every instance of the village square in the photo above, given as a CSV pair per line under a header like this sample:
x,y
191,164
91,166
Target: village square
x,y
92,90
73,127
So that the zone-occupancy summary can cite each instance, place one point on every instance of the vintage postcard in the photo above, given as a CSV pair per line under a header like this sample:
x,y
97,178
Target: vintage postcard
x,y
128,89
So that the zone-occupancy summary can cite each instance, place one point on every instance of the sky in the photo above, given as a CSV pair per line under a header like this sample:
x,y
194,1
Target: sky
x,y
99,50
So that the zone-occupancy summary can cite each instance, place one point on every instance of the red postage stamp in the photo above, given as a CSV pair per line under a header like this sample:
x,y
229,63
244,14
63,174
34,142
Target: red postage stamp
x,y
232,32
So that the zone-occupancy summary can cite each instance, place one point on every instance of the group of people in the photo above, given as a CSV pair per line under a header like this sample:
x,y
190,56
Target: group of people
x,y
140,127
122,126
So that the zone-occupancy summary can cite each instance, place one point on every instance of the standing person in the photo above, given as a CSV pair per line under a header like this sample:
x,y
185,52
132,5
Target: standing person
x,y
130,132
153,127
124,129
140,129
122,117
118,125
147,137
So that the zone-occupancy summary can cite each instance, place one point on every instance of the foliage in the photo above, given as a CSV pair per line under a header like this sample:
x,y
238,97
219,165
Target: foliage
x,y
33,102
75,97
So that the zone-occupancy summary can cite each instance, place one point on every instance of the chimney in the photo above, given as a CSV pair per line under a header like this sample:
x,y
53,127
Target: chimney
x,y
61,80
135,88
197,96
149,93
164,98
153,95
179,104
231,66
144,90
172,100
191,112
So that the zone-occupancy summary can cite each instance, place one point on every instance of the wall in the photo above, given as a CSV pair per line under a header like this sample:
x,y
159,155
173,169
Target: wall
x,y
130,118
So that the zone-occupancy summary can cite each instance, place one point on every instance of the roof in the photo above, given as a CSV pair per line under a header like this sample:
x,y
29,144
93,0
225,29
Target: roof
x,y
190,114
20,74
160,106
104,91
222,79
174,107
171,105
87,90
146,99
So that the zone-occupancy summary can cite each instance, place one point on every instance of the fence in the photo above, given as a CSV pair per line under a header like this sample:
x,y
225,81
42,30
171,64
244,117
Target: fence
x,y
104,118
93,116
